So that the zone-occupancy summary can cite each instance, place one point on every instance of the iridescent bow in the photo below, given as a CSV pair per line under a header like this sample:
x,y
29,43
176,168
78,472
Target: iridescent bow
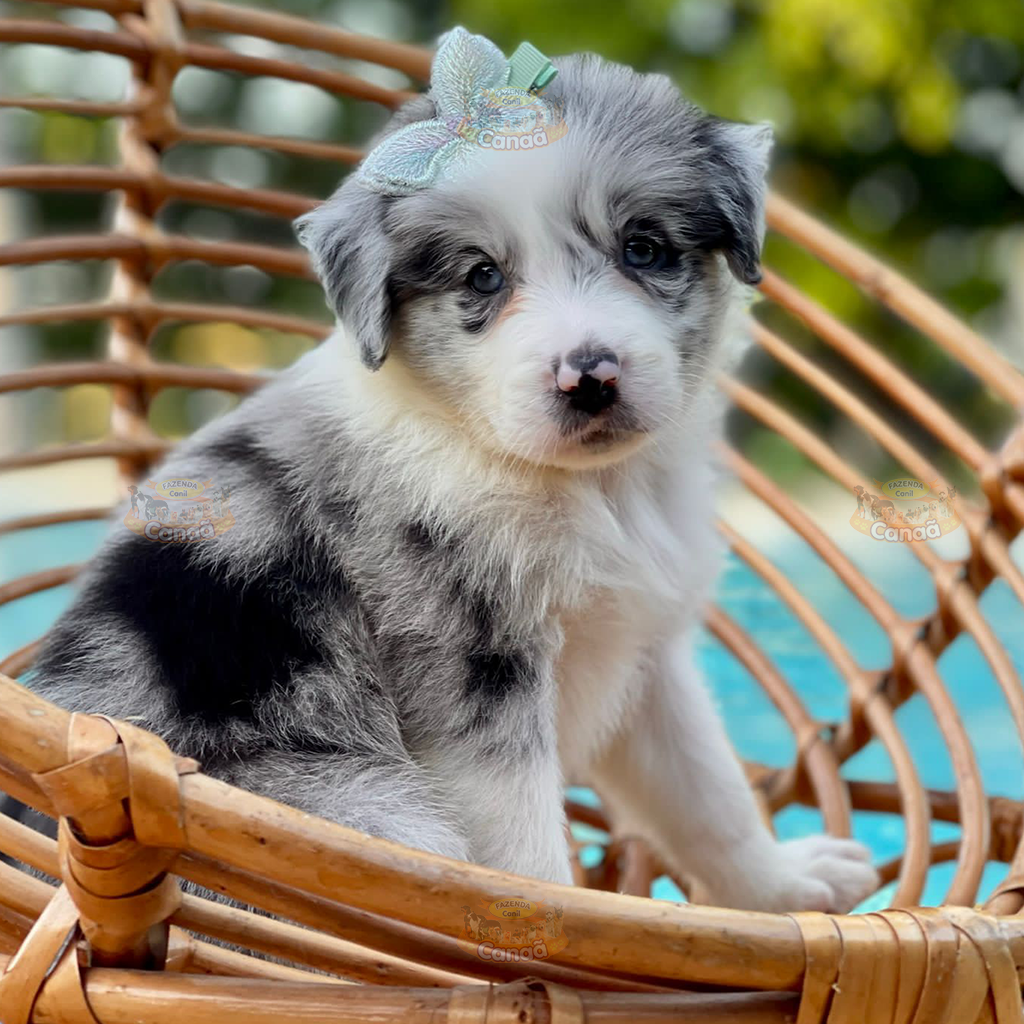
x,y
470,83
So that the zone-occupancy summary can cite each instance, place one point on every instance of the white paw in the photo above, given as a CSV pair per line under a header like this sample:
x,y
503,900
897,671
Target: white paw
x,y
822,873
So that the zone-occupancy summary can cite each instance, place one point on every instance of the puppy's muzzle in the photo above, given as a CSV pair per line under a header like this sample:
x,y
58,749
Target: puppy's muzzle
x,y
588,379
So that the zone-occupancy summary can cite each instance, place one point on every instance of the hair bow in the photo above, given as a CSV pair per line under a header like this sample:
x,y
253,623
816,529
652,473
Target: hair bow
x,y
475,90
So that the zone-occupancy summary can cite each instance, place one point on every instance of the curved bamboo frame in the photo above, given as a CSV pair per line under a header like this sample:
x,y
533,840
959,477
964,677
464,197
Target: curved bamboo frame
x,y
380,922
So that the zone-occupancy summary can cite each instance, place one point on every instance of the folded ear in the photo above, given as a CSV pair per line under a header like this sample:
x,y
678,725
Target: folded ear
x,y
737,157
351,256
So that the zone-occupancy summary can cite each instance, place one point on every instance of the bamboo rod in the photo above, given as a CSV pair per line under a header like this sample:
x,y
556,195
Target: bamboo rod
x,y
412,943
255,834
29,846
123,44
56,33
36,582
23,898
282,28
956,597
107,6
279,144
155,375
127,997
102,179
161,250
896,292
719,947
309,948
918,663
17,783
77,108
75,452
871,362
814,755
301,946
21,660
867,703
157,312
268,201
218,58
70,247
74,177
271,259
74,515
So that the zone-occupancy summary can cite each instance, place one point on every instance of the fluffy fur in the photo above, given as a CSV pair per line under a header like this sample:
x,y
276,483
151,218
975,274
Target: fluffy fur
x,y
448,588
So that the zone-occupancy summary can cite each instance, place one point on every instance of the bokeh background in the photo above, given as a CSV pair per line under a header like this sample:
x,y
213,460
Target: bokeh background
x,y
901,123
898,122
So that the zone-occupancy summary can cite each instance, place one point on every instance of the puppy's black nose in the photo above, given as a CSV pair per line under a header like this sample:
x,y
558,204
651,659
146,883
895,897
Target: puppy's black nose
x,y
589,379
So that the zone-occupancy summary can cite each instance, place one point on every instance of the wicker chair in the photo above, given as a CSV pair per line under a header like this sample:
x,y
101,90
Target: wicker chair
x,y
365,930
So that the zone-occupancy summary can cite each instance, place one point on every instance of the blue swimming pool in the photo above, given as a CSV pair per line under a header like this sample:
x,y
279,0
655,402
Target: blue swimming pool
x,y
758,730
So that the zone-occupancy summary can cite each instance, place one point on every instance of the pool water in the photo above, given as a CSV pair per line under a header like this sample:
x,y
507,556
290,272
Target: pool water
x,y
758,731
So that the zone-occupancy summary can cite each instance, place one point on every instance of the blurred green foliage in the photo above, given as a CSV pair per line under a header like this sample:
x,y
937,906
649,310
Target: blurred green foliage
x,y
900,122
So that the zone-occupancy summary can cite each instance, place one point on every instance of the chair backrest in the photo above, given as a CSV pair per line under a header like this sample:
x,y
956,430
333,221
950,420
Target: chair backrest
x,y
161,222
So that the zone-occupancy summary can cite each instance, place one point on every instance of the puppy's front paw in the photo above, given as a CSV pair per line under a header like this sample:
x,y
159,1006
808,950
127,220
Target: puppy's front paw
x,y
822,873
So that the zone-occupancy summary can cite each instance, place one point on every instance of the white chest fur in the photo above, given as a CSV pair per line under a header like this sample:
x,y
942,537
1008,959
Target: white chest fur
x,y
653,557
597,671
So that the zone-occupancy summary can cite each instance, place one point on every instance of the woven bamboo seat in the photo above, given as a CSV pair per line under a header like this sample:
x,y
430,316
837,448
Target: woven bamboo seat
x,y
368,931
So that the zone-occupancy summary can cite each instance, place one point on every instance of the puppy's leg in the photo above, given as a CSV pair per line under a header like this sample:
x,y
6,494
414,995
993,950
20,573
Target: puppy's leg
x,y
672,776
500,768
511,802
387,796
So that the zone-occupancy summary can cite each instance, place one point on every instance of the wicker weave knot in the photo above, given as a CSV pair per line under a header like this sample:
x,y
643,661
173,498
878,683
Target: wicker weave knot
x,y
155,123
120,829
949,965
498,1004
48,957
1007,825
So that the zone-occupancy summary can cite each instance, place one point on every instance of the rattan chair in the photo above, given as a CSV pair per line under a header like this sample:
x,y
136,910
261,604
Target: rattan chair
x,y
367,931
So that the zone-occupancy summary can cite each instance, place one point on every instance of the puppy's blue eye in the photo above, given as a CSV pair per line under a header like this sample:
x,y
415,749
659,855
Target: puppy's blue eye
x,y
485,279
643,253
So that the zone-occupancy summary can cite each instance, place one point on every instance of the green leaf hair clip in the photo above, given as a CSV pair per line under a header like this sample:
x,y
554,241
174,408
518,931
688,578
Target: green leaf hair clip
x,y
478,95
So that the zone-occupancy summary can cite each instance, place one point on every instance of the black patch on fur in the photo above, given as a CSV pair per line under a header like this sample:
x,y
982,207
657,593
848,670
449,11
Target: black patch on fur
x,y
475,324
419,537
436,265
477,312
262,467
726,220
496,668
351,255
494,673
581,227
224,643
439,265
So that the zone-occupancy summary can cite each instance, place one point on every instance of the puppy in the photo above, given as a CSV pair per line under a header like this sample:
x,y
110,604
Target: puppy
x,y
157,508
474,529
864,500
136,499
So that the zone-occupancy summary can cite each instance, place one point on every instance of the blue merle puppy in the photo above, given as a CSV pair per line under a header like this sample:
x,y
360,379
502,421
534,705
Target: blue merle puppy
x,y
474,530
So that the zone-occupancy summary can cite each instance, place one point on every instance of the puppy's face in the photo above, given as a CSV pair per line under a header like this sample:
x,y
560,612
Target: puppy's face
x,y
564,303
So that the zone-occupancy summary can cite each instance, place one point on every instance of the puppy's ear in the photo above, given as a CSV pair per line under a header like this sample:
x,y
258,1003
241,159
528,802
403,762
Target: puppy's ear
x,y
737,157
351,256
